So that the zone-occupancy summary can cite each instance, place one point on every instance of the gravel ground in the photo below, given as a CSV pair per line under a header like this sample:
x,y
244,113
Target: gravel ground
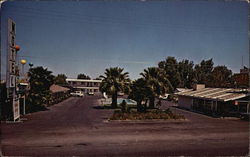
x,y
77,127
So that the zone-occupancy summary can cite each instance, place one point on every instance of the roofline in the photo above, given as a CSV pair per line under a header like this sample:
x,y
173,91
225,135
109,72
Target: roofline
x,y
83,80
216,98
86,87
238,97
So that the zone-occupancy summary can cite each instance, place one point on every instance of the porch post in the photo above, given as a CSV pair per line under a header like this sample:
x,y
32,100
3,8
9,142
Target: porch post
x,y
212,105
192,106
204,104
216,105
24,105
247,107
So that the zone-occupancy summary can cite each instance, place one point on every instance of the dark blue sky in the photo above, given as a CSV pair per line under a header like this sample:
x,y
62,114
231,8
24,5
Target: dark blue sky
x,y
87,37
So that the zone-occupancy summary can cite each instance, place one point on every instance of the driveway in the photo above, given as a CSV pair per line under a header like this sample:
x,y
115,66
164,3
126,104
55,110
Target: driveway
x,y
77,127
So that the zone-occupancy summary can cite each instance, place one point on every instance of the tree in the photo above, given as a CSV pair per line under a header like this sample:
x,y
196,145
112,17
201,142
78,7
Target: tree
x,y
5,106
40,80
203,71
170,66
139,92
83,76
60,79
157,82
114,81
186,72
221,77
98,78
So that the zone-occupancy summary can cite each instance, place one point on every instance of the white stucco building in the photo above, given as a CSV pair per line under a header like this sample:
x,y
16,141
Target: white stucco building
x,y
87,86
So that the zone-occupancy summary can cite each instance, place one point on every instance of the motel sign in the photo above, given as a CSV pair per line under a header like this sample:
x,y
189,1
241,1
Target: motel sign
x,y
11,77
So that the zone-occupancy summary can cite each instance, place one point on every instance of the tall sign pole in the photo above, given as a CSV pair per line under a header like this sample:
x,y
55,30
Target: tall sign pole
x,y
12,69
1,1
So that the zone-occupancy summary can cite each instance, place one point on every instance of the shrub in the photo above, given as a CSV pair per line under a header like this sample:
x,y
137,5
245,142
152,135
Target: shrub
x,y
152,114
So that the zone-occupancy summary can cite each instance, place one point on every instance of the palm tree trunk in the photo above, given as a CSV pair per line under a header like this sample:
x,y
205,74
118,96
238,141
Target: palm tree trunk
x,y
152,102
145,105
139,106
114,101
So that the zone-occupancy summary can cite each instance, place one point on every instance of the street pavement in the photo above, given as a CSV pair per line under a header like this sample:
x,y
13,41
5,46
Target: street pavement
x,y
79,127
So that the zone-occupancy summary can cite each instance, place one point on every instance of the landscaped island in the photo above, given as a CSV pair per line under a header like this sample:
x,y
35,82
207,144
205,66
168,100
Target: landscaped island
x,y
148,115
127,109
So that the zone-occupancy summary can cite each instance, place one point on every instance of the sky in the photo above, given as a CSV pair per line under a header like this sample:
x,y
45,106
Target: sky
x,y
88,37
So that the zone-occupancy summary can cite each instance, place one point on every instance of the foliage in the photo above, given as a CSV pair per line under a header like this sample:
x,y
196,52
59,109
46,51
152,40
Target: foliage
x,y
5,106
187,75
153,114
98,78
221,77
170,66
60,79
114,81
83,76
139,92
184,74
157,83
203,71
217,77
40,80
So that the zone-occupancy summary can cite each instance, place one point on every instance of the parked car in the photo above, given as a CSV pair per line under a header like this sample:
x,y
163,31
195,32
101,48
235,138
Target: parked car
x,y
90,93
77,93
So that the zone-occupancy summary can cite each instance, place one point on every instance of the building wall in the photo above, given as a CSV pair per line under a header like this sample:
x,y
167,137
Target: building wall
x,y
184,102
85,85
87,90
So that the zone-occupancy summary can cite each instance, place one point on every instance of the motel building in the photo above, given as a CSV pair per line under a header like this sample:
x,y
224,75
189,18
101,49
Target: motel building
x,y
215,101
87,86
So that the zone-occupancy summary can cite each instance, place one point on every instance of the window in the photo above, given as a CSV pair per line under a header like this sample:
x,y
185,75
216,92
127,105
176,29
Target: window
x,y
13,27
12,67
12,55
12,43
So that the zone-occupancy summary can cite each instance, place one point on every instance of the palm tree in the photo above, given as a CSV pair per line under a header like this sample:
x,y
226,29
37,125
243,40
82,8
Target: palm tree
x,y
113,82
40,80
157,83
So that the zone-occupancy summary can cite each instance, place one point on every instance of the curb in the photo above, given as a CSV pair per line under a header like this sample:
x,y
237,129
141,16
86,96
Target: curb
x,y
147,121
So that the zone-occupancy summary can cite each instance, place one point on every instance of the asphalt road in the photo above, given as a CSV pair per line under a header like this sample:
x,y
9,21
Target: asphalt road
x,y
76,127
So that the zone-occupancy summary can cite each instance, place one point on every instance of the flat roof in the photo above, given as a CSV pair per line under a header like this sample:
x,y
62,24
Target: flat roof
x,y
83,80
218,94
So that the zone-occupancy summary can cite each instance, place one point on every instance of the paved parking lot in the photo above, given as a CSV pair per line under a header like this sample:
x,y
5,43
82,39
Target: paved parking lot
x,y
76,127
